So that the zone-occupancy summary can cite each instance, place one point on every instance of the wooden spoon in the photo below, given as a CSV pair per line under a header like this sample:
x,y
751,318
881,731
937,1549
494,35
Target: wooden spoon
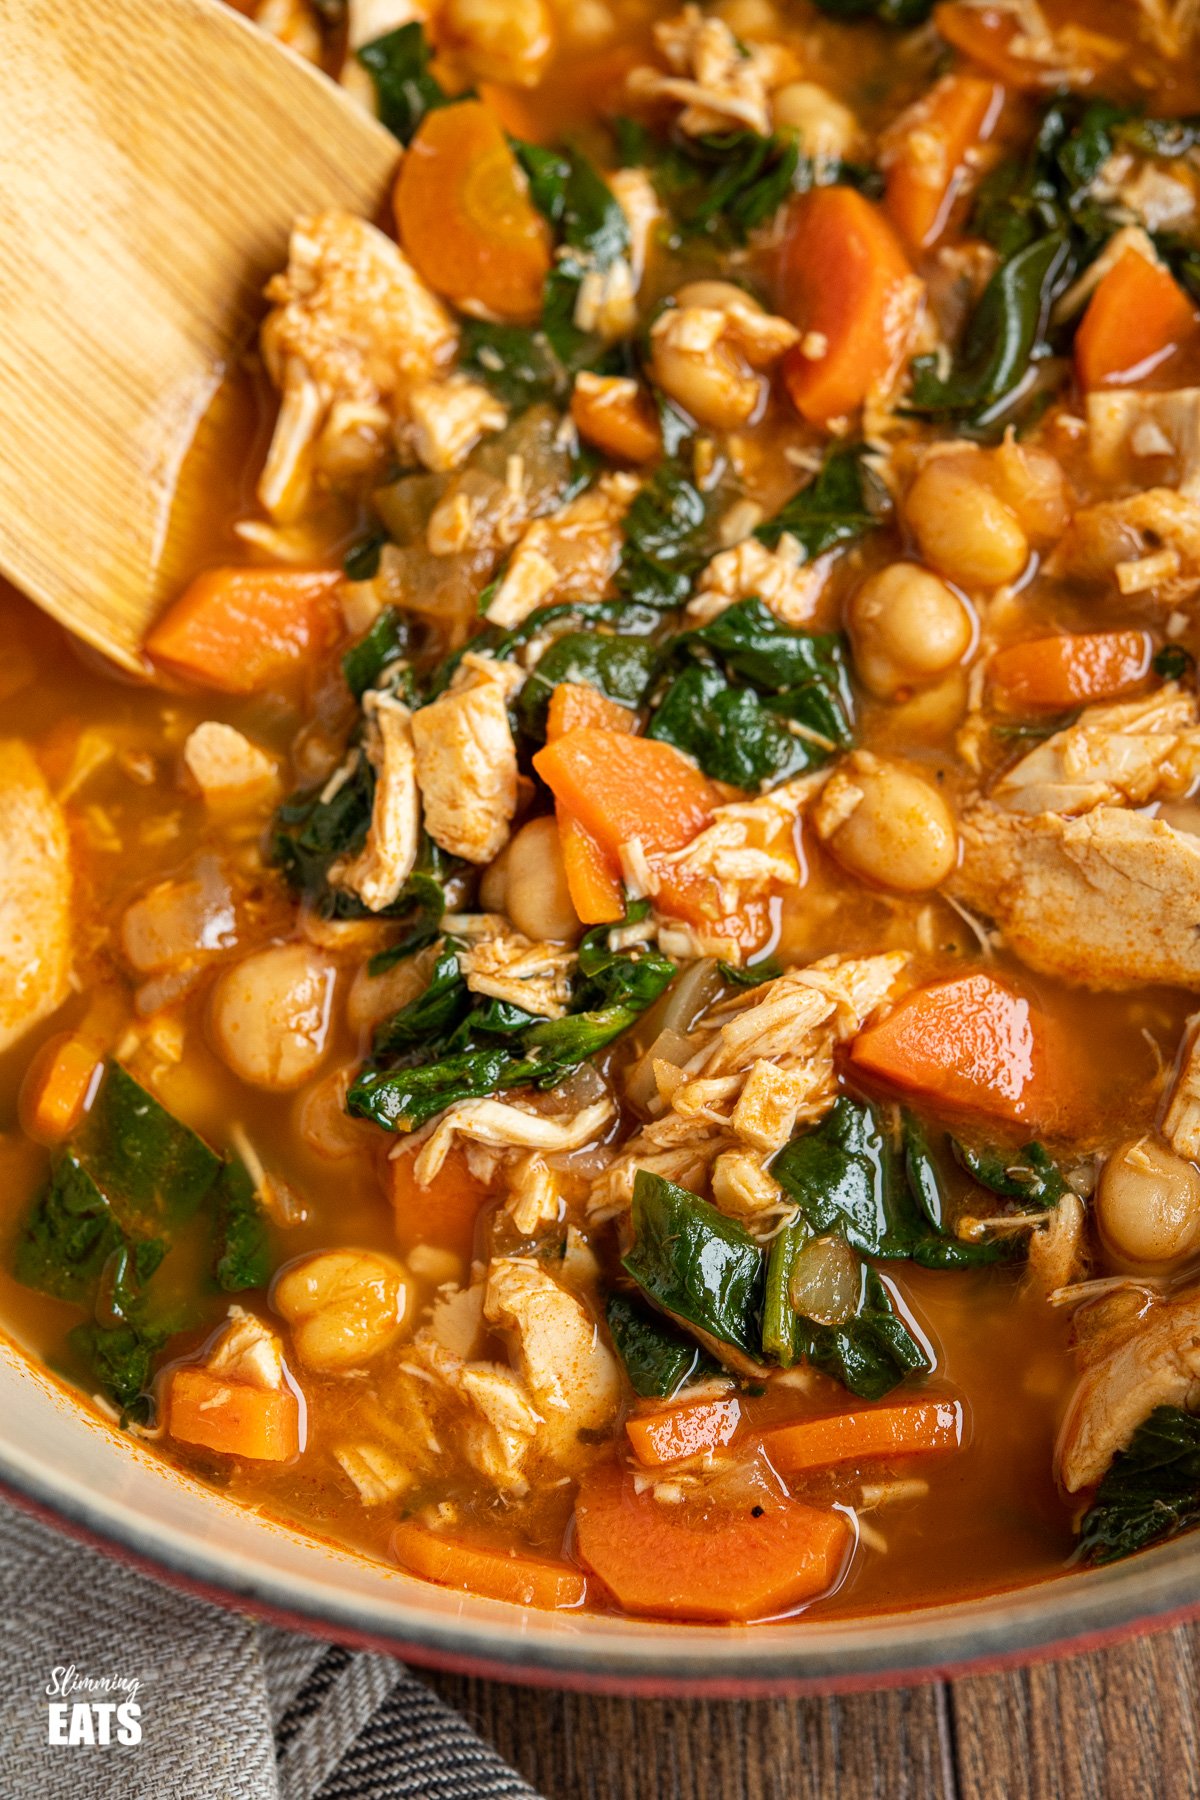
x,y
154,156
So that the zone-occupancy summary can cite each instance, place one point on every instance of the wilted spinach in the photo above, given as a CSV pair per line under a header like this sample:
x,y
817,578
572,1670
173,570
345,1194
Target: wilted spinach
x,y
398,64
1149,1491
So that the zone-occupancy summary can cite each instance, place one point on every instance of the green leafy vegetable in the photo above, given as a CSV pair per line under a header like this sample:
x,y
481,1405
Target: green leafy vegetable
x,y
242,1257
594,235
658,1357
888,12
667,538
621,667
838,506
869,1353
398,64
362,559
434,1014
71,1234
119,1360
1029,1174
151,1165
753,974
385,643
695,1264
515,361
1173,662
309,833
1150,1491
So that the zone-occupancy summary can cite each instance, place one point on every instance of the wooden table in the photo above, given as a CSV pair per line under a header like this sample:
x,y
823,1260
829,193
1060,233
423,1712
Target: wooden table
x,y
1123,1724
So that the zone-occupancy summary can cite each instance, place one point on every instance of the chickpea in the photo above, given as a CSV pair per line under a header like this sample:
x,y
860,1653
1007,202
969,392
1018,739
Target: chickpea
x,y
537,898
509,41
825,130
270,1015
373,998
696,362
907,627
1148,1203
885,824
344,1306
1032,482
963,528
321,1118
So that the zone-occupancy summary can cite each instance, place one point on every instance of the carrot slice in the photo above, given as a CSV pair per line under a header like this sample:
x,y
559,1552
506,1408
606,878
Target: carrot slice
x,y
617,416
574,704
1069,669
444,1213
846,282
664,1437
971,1043
879,1431
500,1574
56,1085
465,217
929,149
233,1417
239,629
1137,317
706,1562
987,35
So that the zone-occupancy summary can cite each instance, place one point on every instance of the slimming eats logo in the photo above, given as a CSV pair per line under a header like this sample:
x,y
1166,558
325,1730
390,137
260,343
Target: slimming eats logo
x,y
92,1709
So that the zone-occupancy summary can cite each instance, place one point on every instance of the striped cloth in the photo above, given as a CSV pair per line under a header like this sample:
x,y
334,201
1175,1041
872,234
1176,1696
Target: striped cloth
x,y
229,1709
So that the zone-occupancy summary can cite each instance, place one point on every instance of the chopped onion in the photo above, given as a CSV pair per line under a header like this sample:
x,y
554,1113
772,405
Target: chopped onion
x,y
826,1282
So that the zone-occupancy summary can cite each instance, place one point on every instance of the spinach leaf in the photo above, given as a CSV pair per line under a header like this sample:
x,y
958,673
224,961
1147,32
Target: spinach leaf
x,y
780,1328
1004,336
869,1353
70,1235
405,1099
730,732
1173,662
666,539
695,1264
309,833
242,1256
621,667
153,1168
775,658
386,642
434,1015
362,559
515,361
398,64
1149,1491
594,235
840,504
1030,1174
119,1360
752,975
658,1357
888,12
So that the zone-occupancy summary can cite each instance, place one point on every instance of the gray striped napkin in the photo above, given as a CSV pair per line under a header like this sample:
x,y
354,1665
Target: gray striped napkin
x,y
223,1708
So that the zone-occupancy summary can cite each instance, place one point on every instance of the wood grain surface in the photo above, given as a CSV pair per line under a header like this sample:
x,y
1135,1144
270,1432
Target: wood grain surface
x,y
1123,1724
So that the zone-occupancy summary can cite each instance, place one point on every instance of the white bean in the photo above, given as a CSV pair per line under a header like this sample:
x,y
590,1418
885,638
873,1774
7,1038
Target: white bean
x,y
536,896
344,1306
270,1015
1148,1203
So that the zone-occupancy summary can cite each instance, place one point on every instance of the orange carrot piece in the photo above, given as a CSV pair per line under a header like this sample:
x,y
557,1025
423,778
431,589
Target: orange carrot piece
x,y
239,629
499,1574
465,217
929,150
971,1043
664,1437
621,422
706,1562
593,878
1137,317
987,34
1067,670
846,282
445,1212
574,704
232,1417
885,1432
56,1086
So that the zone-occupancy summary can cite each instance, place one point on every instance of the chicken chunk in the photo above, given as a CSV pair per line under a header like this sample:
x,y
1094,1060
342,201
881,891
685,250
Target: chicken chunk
x,y
1148,543
247,1351
1154,1361
386,860
1110,899
1128,754
466,760
1181,1122
227,767
505,965
780,578
751,844
572,555
505,1126
489,1407
719,82
352,330
569,1371
447,420
1134,435
35,896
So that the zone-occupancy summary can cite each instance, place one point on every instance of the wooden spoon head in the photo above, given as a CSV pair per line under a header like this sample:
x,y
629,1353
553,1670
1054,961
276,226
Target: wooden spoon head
x,y
154,159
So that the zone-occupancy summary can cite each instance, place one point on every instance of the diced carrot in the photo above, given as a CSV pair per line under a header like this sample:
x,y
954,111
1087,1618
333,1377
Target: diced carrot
x,y
1137,317
664,1437
239,629
707,1561
846,283
574,704
876,1432
987,35
929,151
1056,672
971,1043
477,1569
515,111
593,878
232,1416
56,1085
617,416
445,1212
465,217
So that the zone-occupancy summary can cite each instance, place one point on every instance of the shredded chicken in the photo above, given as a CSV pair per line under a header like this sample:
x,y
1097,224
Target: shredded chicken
x,y
466,760
1148,543
35,896
534,1195
741,1186
1153,1360
378,1473
1181,1122
1125,754
751,844
780,578
386,860
352,329
568,1369
1171,25
719,82
490,1406
1135,436
225,765
1057,1249
247,1351
447,419
572,555
505,1125
507,966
